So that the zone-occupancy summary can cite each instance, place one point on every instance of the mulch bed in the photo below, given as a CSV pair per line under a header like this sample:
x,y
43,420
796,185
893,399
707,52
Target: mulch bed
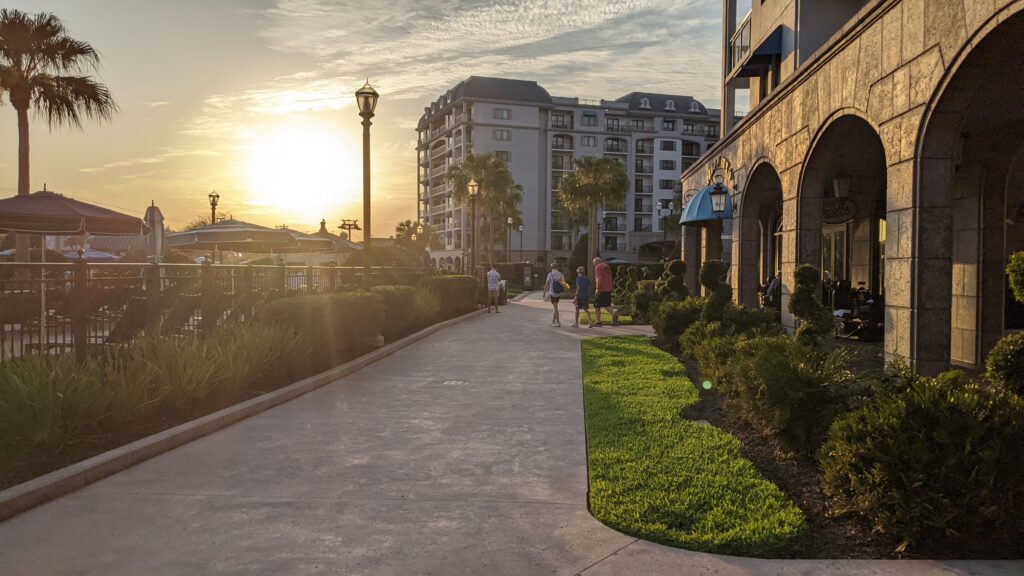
x,y
797,476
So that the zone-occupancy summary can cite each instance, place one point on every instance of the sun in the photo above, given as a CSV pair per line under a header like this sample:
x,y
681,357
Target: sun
x,y
300,170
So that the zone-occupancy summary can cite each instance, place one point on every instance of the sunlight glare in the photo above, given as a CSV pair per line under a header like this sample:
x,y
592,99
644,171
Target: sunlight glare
x,y
303,170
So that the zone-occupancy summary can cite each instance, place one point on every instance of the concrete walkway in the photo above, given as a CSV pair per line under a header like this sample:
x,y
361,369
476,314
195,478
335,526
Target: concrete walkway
x,y
462,454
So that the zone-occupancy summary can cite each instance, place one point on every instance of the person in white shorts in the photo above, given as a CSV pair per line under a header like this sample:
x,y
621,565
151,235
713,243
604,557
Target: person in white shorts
x,y
553,287
493,289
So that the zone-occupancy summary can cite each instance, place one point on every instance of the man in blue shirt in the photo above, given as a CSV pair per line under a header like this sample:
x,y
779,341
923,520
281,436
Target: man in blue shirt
x,y
583,292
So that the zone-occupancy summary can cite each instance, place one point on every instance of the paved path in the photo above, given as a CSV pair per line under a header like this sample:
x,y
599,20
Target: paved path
x,y
462,454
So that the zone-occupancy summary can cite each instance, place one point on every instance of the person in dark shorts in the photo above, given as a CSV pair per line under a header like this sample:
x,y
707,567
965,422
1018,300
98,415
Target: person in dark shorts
x,y
582,299
554,287
602,289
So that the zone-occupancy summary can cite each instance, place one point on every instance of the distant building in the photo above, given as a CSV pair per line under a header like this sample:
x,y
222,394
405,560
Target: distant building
x,y
884,144
655,136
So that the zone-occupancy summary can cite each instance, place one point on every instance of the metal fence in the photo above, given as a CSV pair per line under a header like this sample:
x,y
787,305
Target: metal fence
x,y
83,307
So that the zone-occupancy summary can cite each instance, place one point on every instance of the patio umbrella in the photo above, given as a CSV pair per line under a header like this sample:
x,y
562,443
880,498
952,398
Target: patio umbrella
x,y
49,213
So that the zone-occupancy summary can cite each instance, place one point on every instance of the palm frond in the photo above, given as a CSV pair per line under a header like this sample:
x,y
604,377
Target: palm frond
x,y
67,99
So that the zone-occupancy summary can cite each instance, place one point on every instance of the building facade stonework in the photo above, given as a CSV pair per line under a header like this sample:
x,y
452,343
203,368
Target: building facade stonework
x,y
892,156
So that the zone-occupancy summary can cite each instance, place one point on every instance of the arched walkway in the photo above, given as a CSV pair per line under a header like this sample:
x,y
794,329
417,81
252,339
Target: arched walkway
x,y
759,230
842,220
970,201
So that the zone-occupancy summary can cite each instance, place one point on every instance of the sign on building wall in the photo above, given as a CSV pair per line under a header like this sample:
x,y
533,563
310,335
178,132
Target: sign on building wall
x,y
837,210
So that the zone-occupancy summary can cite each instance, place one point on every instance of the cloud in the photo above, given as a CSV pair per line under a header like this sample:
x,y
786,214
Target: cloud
x,y
157,104
148,160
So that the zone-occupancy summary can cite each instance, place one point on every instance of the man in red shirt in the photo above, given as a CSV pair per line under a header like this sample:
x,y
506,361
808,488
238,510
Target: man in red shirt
x,y
602,288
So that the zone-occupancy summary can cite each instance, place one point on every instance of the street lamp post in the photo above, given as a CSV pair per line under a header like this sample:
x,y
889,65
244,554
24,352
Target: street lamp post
x,y
508,245
214,200
520,242
665,210
474,189
366,98
348,226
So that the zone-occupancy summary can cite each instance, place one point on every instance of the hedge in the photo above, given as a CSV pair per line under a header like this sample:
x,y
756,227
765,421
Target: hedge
x,y
399,310
458,293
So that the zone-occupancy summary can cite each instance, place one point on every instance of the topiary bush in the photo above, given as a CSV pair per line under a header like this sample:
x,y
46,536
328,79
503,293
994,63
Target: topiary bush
x,y
712,277
672,284
752,321
711,345
1015,271
816,320
1005,363
644,301
938,465
673,317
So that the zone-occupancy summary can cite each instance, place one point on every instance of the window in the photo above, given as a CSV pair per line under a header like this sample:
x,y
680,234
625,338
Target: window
x,y
561,121
691,149
666,184
501,113
503,155
689,128
645,103
612,124
668,125
667,165
694,106
588,141
638,125
560,142
670,105
589,119
502,134
668,145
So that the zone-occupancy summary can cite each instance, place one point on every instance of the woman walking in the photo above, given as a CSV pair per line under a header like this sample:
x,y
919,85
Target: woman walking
x,y
554,287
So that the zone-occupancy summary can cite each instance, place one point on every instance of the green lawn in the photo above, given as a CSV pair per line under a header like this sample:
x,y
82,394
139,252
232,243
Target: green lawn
x,y
660,477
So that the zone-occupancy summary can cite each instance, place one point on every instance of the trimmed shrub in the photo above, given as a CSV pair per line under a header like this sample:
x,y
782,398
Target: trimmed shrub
x,y
673,318
815,319
426,308
711,345
789,388
398,303
1015,272
672,284
645,301
1005,363
753,321
939,465
332,326
458,293
712,277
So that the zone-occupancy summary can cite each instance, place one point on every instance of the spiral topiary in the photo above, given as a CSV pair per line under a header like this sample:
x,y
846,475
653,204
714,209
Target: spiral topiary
x,y
815,319
1005,363
672,284
712,278
1015,270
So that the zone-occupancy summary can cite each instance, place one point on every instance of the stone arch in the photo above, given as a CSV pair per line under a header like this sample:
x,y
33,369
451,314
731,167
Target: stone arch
x,y
759,250
969,148
842,229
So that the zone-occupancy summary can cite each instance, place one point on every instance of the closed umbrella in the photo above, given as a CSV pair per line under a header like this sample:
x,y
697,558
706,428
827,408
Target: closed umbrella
x,y
239,236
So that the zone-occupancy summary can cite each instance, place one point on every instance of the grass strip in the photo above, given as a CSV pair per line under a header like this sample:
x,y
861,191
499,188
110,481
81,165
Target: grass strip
x,y
660,477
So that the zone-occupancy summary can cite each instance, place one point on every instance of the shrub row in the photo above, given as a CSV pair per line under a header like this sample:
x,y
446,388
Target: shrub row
x,y
50,404
458,294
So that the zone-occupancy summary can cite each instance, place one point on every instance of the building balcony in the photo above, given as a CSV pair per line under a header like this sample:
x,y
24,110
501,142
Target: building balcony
x,y
739,45
647,189
646,150
561,145
616,149
558,123
438,152
644,168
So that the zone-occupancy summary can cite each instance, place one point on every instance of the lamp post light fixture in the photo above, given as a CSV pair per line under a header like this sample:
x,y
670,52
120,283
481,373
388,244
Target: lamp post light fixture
x,y
841,185
718,195
366,98
474,189
665,209
520,242
508,244
214,200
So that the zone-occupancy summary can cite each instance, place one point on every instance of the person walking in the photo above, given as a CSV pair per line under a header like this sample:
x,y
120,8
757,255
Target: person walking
x,y
582,299
493,289
602,289
554,287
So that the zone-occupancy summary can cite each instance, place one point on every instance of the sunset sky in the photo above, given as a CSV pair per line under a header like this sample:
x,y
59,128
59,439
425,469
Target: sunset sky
x,y
254,98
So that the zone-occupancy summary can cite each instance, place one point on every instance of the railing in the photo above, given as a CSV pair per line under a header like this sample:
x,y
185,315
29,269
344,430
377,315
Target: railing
x,y
643,168
561,123
615,148
84,308
439,151
739,45
559,144
645,190
645,149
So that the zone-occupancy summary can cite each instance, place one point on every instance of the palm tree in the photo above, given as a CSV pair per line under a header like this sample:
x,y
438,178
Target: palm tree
x,y
595,182
41,67
414,236
498,195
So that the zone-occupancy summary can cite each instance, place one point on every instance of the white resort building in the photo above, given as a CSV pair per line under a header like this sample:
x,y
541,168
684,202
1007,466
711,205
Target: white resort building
x,y
655,136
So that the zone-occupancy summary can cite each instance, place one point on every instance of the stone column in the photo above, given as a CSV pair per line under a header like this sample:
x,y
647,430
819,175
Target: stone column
x,y
691,255
711,237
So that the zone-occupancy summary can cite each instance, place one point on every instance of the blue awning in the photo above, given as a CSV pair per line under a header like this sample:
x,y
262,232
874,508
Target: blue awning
x,y
699,209
761,58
